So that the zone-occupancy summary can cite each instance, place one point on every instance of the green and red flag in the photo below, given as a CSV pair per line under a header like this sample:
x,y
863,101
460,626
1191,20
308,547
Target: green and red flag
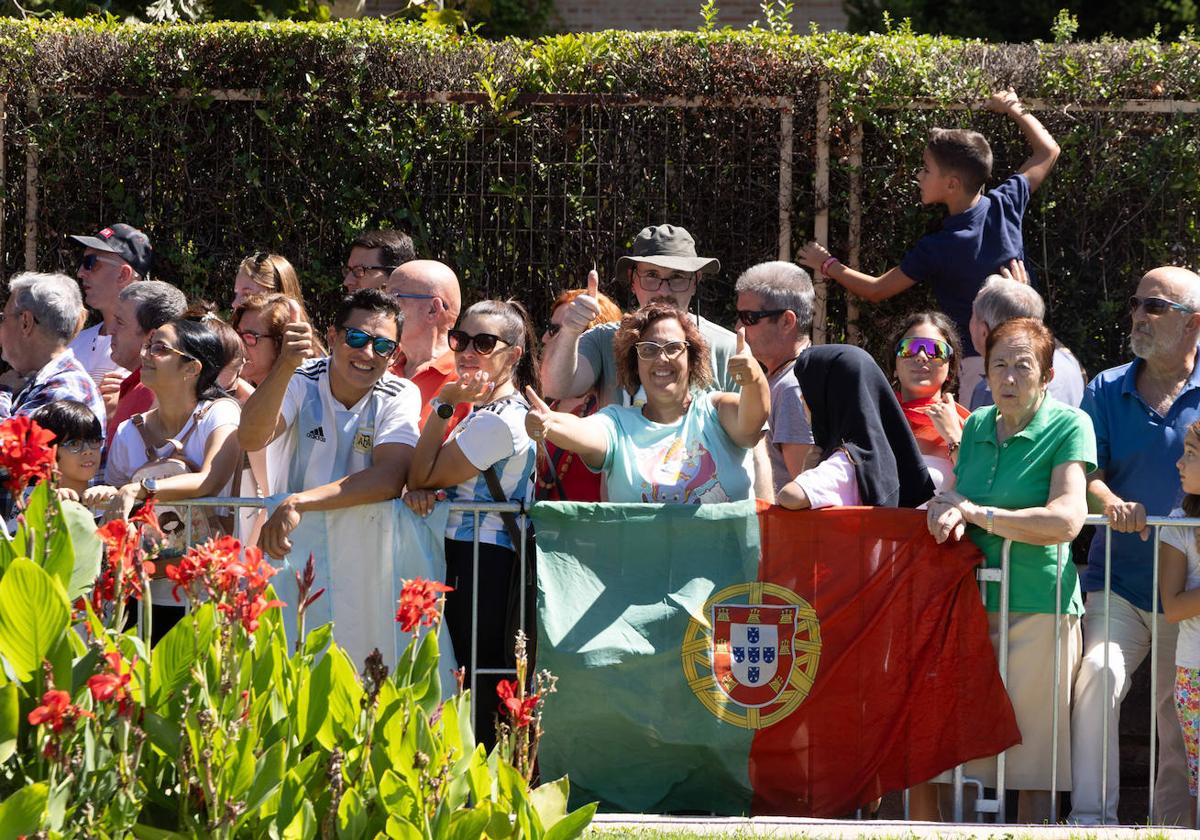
x,y
735,659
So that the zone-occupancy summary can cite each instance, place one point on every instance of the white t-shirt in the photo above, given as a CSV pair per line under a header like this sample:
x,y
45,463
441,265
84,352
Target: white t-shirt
x,y
94,352
1187,649
492,435
128,454
831,483
325,440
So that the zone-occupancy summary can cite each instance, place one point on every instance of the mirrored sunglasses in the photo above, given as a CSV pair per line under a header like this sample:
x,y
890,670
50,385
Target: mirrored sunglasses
x,y
908,348
1156,305
358,339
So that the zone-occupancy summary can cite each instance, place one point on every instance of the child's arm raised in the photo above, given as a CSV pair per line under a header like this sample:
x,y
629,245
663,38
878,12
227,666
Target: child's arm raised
x,y
1179,602
817,258
1045,149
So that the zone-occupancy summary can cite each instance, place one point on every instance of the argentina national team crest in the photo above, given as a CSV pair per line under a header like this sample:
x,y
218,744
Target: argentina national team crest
x,y
754,659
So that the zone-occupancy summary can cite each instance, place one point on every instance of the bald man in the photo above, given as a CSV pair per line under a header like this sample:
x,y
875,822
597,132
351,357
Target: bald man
x,y
1141,411
428,294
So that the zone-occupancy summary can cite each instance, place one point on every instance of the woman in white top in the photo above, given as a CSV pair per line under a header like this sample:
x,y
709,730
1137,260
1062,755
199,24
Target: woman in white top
x,y
928,352
181,361
495,352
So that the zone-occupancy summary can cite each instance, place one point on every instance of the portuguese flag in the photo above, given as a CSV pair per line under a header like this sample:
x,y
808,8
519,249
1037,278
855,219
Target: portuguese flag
x,y
735,659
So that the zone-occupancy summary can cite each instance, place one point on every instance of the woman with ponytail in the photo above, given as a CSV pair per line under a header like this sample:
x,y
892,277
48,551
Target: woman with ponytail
x,y
487,457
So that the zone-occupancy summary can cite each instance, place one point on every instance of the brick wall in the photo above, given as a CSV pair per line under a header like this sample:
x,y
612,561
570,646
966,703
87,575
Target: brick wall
x,y
593,15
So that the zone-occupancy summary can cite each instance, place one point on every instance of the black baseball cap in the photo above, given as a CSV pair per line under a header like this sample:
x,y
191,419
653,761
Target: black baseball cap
x,y
126,241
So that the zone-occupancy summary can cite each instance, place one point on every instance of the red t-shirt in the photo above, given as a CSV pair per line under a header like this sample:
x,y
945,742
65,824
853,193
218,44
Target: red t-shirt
x,y
429,379
133,398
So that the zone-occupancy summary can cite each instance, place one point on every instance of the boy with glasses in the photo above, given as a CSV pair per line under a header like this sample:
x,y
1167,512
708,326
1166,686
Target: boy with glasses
x,y
112,259
663,268
373,257
342,429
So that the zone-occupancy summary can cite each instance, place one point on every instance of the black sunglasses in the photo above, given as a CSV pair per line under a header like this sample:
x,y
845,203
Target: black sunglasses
x,y
750,317
484,343
90,261
358,339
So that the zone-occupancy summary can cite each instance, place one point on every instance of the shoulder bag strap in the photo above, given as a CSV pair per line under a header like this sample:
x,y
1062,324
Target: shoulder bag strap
x,y
497,491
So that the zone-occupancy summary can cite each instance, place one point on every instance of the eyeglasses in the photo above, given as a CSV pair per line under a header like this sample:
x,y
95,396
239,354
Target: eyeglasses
x,y
360,271
676,282
90,261
650,350
78,447
484,343
251,338
159,348
358,339
1156,305
908,348
552,330
406,296
750,317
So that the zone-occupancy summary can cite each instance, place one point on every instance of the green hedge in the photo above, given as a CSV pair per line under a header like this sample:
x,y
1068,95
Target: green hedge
x,y
522,196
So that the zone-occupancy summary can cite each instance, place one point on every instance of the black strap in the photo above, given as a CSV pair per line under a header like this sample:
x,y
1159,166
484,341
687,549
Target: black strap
x,y
510,520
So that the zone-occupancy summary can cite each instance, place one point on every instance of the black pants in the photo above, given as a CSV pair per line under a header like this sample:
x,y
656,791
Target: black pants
x,y
162,617
494,643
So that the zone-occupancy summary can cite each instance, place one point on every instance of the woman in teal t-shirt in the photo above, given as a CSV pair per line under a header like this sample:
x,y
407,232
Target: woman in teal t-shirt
x,y
684,445
1022,476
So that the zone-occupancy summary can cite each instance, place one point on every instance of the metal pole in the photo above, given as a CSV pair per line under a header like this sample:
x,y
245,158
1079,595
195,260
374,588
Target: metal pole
x,y
1154,816
475,619
1057,685
1005,551
1107,677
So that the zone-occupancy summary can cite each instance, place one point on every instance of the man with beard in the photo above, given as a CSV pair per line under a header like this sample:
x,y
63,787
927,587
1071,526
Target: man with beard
x,y
1141,412
663,268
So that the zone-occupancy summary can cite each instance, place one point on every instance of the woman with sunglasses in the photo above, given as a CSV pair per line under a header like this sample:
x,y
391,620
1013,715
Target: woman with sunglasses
x,y
561,476
1022,476
488,451
684,445
925,377
181,362
264,273
864,450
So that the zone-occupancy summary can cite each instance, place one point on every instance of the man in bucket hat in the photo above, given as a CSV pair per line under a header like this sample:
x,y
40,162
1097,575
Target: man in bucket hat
x,y
112,259
663,268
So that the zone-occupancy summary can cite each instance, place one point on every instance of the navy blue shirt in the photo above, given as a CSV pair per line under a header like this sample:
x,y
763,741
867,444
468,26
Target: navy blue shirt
x,y
1137,448
971,245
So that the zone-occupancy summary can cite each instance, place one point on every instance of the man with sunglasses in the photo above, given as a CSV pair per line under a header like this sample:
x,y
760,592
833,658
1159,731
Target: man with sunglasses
x,y
663,268
775,306
429,298
112,259
374,255
1141,412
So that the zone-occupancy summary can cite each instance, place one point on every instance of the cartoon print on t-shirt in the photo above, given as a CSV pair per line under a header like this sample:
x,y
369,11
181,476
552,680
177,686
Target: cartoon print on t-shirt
x,y
675,474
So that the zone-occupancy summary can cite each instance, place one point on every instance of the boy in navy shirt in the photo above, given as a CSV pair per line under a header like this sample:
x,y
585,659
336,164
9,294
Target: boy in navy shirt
x,y
980,236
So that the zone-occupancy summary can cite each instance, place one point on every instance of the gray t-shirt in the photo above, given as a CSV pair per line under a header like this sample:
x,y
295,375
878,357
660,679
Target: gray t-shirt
x,y
596,345
786,422
1066,386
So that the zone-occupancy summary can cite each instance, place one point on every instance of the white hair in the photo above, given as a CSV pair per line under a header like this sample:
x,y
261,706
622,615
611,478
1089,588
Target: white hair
x,y
53,300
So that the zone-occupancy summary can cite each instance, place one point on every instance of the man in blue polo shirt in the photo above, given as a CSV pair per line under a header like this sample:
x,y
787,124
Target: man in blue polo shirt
x,y
1141,412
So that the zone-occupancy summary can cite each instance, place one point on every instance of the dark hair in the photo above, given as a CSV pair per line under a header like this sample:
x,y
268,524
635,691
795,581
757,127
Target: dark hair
x,y
630,332
946,327
1033,329
965,153
517,330
200,342
1191,501
231,343
395,246
368,300
69,420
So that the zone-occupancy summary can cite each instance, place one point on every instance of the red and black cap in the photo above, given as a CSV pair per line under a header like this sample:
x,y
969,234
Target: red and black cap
x,y
126,241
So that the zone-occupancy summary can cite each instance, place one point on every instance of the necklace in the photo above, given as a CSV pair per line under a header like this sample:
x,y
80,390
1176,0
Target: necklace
x,y
781,366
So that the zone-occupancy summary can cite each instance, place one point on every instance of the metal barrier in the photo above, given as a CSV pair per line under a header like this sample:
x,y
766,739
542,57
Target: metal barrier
x,y
1001,576
476,509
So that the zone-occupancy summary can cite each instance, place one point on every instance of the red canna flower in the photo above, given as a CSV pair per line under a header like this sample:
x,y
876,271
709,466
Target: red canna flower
x,y
57,711
146,516
25,452
420,603
113,686
246,607
518,710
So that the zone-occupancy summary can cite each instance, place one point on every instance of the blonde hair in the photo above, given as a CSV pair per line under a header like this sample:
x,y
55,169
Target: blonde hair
x,y
273,273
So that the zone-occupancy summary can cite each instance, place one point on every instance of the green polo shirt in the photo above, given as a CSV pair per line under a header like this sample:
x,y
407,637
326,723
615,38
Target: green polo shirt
x,y
1014,475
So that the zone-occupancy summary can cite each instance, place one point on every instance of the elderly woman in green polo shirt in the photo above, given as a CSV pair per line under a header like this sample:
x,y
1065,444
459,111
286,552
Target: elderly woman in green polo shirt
x,y
1022,476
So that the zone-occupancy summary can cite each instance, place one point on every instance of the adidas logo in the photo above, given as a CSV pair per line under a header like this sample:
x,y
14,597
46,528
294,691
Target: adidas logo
x,y
316,434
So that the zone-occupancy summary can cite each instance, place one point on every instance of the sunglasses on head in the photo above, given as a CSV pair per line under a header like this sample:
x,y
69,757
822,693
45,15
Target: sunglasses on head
x,y
1156,305
908,348
750,317
358,339
484,343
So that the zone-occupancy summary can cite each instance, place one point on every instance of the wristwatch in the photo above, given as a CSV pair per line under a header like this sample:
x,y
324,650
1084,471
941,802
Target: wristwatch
x,y
149,487
441,408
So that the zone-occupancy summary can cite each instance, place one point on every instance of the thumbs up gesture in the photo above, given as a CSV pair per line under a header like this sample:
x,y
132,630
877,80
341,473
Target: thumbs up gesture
x,y
742,365
540,415
583,309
